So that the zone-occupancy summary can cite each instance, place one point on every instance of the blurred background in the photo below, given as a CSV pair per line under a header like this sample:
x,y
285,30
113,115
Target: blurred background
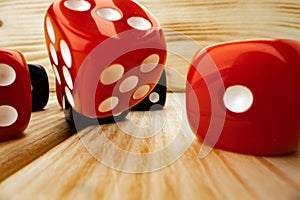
x,y
204,22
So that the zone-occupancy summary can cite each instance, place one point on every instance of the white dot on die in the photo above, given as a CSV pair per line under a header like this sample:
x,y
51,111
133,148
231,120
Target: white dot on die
x,y
129,84
108,104
238,99
69,96
139,23
53,54
109,14
50,30
150,63
68,77
112,74
77,5
154,97
8,115
7,75
141,92
56,74
66,54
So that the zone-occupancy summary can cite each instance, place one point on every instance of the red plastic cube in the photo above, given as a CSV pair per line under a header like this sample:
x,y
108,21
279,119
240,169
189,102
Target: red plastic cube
x,y
15,94
107,55
253,87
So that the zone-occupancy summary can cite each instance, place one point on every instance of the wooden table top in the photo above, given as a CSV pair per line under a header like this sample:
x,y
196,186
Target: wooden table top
x,y
51,160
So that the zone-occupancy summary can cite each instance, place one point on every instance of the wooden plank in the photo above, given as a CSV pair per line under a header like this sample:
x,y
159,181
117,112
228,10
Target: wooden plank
x,y
22,30
204,22
46,129
284,166
261,178
71,171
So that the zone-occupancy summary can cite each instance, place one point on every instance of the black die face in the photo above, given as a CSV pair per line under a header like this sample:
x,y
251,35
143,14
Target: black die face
x,y
40,87
67,109
156,99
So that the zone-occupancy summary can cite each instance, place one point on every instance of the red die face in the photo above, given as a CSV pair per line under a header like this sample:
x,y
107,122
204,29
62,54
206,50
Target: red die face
x,y
15,94
259,95
107,55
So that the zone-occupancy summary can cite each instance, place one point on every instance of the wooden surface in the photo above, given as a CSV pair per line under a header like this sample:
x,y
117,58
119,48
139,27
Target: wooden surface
x,y
46,129
51,162
69,171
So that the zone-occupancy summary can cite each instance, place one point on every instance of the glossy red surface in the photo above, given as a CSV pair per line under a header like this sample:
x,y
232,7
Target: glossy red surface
x,y
106,33
270,69
16,94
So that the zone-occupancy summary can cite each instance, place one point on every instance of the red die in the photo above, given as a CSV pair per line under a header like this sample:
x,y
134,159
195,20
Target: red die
x,y
15,94
107,55
254,88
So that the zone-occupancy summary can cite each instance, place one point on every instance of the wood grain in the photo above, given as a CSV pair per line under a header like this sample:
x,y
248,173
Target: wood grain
x,y
70,171
201,22
46,129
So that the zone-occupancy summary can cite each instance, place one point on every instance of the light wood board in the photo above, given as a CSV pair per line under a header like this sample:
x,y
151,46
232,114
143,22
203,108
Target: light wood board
x,y
71,171
46,129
